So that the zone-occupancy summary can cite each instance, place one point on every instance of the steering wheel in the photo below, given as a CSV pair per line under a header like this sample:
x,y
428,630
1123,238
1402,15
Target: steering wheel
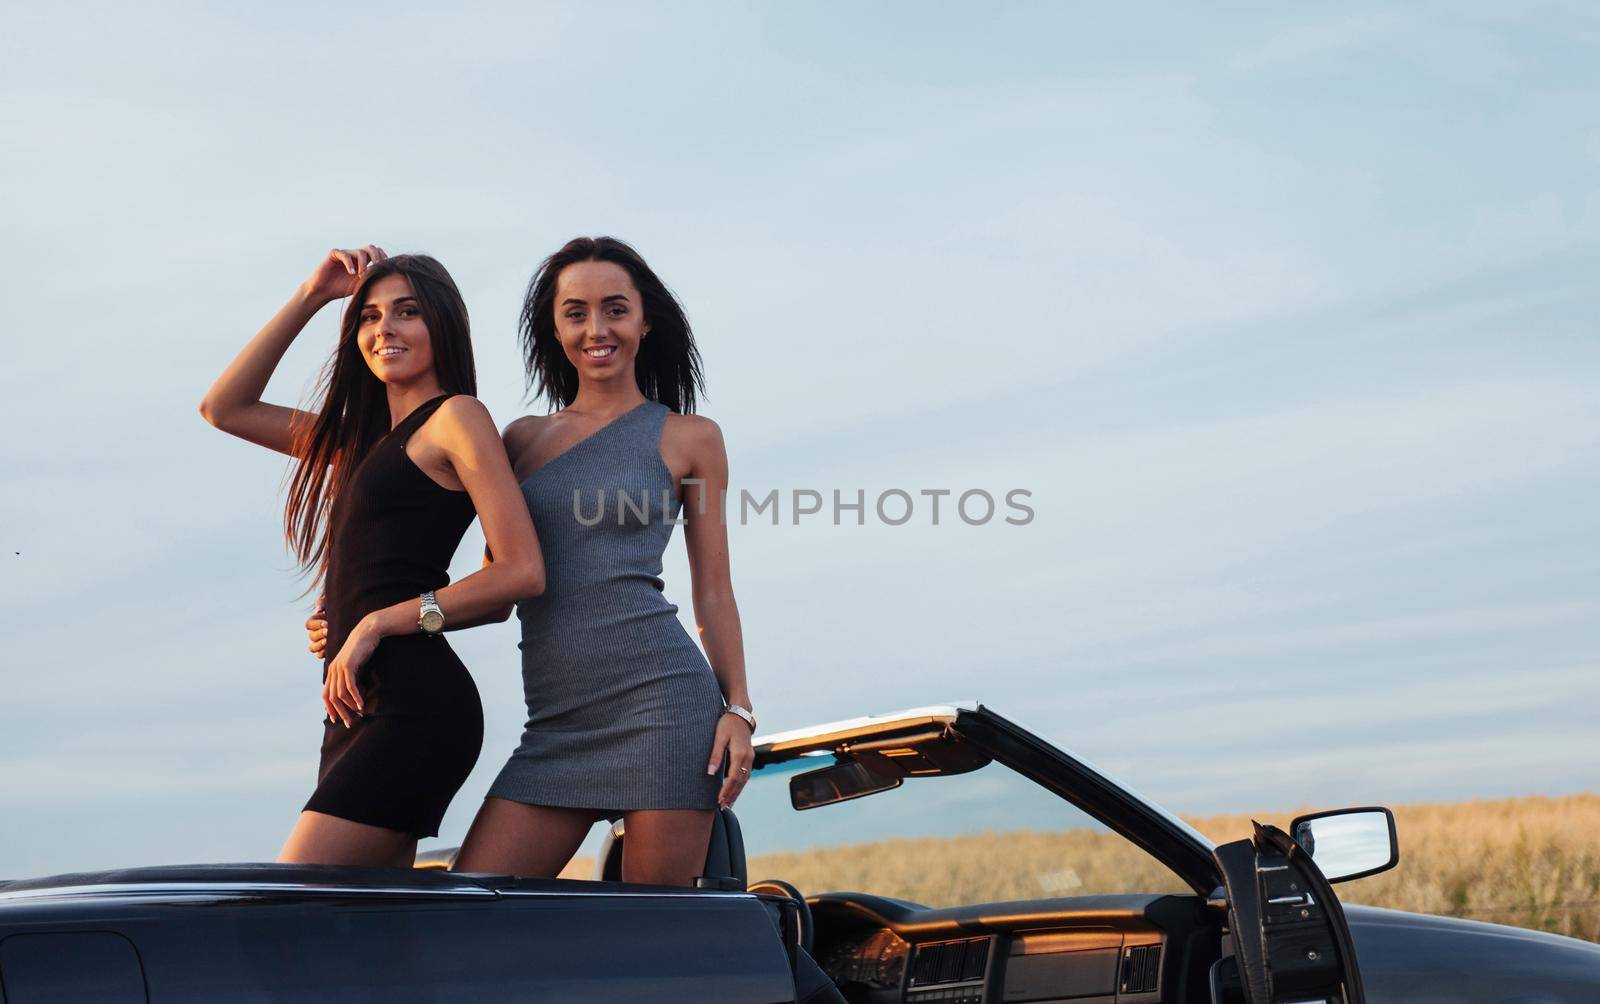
x,y
778,887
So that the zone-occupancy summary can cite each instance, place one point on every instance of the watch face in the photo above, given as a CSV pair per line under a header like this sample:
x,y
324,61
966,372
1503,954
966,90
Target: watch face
x,y
432,621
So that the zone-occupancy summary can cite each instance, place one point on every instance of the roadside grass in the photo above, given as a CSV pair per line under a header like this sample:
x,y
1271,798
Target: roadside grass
x,y
1529,862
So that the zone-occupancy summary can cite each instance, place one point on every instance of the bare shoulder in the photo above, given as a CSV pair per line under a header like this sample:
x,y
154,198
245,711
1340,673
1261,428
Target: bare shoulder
x,y
695,431
464,408
462,414
519,432
691,446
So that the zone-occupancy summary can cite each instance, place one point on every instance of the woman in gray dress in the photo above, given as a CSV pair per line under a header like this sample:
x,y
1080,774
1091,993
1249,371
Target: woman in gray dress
x,y
626,717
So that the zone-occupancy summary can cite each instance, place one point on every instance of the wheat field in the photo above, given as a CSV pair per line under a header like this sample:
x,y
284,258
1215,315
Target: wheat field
x,y
1529,862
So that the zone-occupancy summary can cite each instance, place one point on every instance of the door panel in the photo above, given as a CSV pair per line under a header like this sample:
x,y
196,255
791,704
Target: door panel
x,y
70,967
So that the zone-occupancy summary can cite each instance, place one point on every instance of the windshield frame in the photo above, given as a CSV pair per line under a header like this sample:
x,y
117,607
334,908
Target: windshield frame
x,y
1168,839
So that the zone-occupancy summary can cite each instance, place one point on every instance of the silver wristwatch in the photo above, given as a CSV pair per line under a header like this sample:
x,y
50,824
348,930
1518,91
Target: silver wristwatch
x,y
432,619
745,713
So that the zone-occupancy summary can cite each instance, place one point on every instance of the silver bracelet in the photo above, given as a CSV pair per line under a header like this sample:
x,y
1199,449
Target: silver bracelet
x,y
744,713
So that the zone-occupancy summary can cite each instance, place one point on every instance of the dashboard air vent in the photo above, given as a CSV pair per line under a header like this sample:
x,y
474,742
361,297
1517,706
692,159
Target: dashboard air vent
x,y
1141,969
950,962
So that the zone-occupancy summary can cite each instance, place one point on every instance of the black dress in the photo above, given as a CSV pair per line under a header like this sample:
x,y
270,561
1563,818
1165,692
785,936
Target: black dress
x,y
394,530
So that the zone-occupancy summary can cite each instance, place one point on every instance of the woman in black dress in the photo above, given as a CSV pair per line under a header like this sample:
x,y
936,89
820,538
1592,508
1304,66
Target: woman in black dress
x,y
389,471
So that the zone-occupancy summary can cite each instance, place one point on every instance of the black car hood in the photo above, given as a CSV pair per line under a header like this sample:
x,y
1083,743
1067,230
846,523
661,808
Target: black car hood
x,y
1414,958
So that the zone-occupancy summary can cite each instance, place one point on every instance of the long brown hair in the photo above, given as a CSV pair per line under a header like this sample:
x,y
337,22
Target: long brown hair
x,y
352,412
667,368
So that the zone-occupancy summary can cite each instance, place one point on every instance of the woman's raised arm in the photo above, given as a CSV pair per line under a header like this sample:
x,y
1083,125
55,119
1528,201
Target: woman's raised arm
x,y
233,404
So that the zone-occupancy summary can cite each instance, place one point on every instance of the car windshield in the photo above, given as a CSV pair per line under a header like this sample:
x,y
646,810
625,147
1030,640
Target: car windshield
x,y
947,840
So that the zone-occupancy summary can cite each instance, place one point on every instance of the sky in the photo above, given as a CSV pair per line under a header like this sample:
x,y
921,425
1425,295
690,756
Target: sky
x,y
1283,317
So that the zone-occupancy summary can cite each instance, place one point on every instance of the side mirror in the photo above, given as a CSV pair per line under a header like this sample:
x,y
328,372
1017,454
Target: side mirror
x,y
1349,843
837,782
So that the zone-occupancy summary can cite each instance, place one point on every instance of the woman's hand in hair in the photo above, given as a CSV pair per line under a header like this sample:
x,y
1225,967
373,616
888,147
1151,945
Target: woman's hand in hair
x,y
339,692
317,631
340,270
233,404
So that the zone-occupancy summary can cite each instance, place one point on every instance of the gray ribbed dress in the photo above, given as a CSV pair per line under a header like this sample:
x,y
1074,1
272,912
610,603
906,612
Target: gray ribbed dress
x,y
622,706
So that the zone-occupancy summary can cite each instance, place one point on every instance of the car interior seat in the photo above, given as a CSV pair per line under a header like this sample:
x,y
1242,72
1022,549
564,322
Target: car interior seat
x,y
725,863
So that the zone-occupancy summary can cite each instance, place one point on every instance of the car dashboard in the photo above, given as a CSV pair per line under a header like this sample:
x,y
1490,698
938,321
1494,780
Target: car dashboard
x,y
1108,949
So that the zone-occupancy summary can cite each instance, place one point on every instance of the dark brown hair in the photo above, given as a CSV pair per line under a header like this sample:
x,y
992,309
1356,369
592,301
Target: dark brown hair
x,y
668,364
352,412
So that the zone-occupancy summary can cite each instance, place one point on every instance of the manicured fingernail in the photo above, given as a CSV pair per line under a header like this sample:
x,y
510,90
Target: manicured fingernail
x,y
711,769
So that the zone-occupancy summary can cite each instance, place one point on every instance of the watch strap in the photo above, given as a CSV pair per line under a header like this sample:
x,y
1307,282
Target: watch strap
x,y
430,605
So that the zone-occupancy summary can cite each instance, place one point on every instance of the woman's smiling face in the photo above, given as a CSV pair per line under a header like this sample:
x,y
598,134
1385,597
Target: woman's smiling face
x,y
393,338
599,318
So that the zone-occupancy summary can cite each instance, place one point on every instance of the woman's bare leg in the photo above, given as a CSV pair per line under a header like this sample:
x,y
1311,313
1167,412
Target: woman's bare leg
x,y
534,841
320,839
665,846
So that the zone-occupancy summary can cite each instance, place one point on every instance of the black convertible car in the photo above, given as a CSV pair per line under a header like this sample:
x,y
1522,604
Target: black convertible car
x,y
901,828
